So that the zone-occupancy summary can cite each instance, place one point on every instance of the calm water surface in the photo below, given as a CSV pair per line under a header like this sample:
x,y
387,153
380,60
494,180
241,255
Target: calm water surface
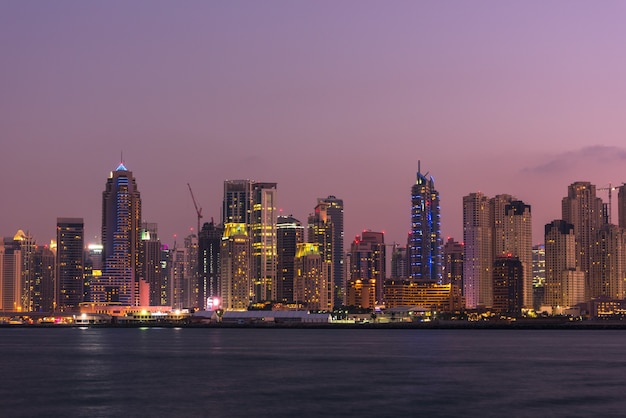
x,y
157,372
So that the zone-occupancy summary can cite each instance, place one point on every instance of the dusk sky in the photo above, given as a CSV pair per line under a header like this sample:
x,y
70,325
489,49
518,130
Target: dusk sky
x,y
323,97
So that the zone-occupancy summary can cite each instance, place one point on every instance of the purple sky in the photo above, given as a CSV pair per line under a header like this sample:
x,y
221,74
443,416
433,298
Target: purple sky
x,y
322,97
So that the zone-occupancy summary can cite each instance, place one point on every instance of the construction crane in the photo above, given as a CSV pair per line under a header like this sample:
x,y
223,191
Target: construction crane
x,y
198,210
610,190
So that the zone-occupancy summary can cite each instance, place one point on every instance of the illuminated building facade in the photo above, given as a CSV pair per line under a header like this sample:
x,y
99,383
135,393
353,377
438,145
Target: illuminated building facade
x,y
331,209
235,261
518,242
70,263
27,246
289,233
428,295
10,276
609,263
424,248
564,282
43,284
254,204
209,245
478,257
539,274
584,210
361,293
150,255
368,262
312,288
121,227
320,231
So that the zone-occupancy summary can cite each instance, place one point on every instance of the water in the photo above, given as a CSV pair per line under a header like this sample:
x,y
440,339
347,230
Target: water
x,y
155,372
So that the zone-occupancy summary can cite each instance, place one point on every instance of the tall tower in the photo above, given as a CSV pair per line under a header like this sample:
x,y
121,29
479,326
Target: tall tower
x,y
425,245
312,288
519,243
70,263
121,225
453,265
565,283
478,258
10,276
583,209
254,204
330,210
325,228
290,233
151,261
209,264
235,267
609,263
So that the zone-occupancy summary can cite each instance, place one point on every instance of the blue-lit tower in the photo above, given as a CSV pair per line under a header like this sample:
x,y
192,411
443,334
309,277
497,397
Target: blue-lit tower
x,y
424,247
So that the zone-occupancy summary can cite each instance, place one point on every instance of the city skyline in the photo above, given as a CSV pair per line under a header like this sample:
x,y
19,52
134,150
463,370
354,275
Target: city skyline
x,y
322,99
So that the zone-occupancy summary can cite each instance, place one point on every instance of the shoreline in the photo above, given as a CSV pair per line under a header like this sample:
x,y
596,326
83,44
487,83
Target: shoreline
x,y
460,325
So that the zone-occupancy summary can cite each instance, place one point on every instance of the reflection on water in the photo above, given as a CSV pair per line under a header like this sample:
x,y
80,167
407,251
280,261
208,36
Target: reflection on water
x,y
284,372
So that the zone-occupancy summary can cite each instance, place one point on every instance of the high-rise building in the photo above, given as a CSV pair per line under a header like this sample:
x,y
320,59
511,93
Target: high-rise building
x,y
518,243
289,233
609,263
121,227
621,206
254,204
311,285
10,276
491,228
584,210
399,264
368,262
564,281
320,232
453,265
424,248
43,284
235,263
27,246
508,286
539,274
325,227
70,263
150,255
478,257
209,245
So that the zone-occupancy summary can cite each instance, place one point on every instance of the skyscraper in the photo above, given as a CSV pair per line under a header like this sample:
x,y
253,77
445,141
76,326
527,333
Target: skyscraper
x,y
565,283
254,204
424,248
121,225
312,288
27,246
326,229
453,265
508,277
209,245
583,209
70,263
289,233
518,243
478,258
235,267
10,276
150,250
368,261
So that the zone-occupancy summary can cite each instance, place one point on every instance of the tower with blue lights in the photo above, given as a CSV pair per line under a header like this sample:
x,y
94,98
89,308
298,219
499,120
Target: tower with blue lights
x,y
121,225
424,247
